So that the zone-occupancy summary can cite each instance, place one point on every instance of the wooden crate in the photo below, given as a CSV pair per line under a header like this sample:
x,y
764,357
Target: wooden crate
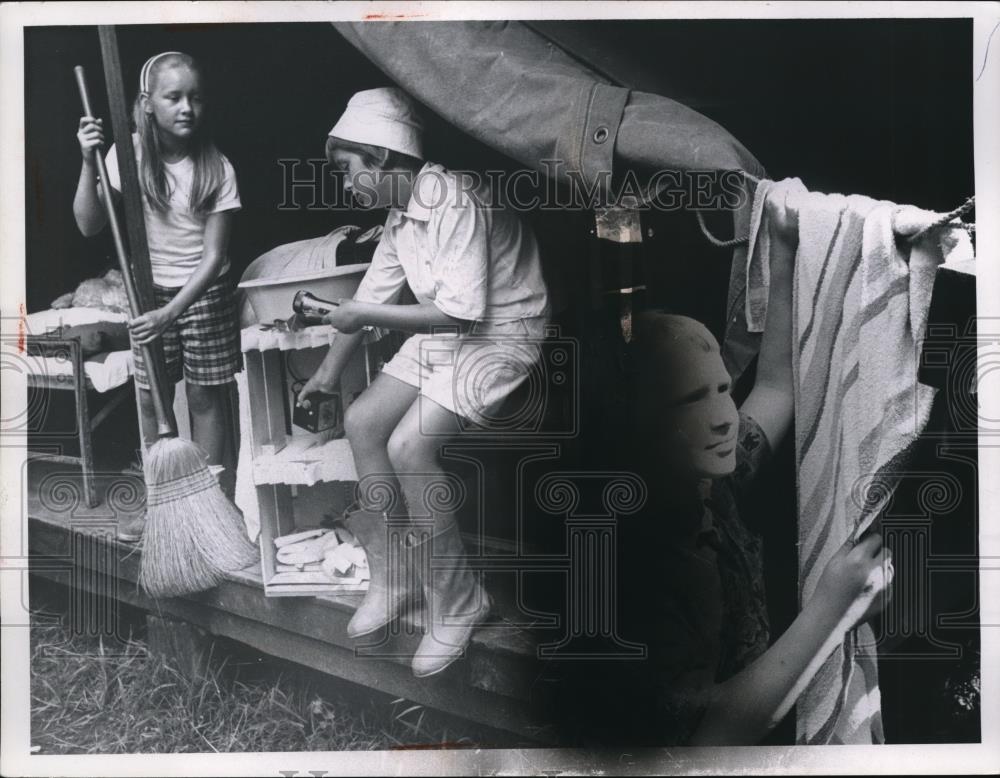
x,y
287,459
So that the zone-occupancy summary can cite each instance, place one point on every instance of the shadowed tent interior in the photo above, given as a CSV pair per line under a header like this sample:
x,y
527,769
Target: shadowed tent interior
x,y
879,107
871,106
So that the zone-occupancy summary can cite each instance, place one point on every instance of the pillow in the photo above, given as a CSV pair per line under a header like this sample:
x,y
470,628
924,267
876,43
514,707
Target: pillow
x,y
106,293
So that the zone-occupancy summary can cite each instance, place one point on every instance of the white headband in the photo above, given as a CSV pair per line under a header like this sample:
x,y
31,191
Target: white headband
x,y
144,73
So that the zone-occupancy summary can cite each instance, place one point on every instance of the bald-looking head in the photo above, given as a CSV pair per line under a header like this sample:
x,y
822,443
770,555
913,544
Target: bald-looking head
x,y
683,407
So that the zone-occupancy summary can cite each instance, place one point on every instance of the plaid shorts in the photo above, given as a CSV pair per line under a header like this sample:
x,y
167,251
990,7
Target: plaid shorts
x,y
205,338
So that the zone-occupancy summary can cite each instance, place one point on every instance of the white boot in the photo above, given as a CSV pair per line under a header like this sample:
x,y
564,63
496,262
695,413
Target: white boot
x,y
456,602
392,582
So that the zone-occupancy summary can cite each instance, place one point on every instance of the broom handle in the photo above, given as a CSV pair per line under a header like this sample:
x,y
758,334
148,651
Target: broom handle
x,y
163,426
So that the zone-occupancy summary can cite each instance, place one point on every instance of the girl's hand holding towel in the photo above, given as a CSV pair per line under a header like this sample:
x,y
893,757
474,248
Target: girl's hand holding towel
x,y
855,579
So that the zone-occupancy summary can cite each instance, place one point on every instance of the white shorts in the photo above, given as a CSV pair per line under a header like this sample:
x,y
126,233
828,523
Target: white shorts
x,y
470,374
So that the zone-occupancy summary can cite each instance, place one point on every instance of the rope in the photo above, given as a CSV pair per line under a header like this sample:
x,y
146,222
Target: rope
x,y
963,209
722,244
732,242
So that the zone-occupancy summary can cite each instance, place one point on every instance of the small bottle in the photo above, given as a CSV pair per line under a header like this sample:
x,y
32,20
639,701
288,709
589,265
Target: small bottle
x,y
311,308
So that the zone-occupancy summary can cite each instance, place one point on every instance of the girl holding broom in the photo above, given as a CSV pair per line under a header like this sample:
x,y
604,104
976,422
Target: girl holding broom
x,y
476,276
189,194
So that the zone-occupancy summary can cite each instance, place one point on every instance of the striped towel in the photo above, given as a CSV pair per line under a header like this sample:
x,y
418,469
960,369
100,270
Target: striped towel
x,y
860,305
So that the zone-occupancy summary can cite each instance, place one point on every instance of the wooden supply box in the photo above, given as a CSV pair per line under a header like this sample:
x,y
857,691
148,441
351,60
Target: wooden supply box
x,y
293,469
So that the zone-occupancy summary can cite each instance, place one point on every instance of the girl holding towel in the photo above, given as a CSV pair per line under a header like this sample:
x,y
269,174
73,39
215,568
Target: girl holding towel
x,y
693,566
718,679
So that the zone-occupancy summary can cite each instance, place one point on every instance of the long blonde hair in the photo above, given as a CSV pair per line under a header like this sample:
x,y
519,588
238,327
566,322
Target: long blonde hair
x,y
209,171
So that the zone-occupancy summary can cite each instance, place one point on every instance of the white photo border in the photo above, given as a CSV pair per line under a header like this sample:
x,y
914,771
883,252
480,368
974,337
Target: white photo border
x,y
917,759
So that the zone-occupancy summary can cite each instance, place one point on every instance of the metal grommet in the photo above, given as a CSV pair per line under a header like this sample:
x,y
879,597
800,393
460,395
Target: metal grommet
x,y
600,134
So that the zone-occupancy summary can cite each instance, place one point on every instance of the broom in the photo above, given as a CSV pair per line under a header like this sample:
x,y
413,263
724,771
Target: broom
x,y
193,535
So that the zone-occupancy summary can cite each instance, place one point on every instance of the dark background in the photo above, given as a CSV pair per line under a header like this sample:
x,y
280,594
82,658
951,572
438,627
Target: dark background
x,y
875,107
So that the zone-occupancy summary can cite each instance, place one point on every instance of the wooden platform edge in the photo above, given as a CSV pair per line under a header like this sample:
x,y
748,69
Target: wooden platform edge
x,y
478,689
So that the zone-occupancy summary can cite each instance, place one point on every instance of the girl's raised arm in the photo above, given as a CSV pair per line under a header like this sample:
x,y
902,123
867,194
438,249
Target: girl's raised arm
x,y
88,203
771,401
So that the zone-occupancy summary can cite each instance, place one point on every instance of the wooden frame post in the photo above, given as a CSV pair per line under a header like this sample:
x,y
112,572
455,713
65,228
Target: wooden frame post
x,y
135,224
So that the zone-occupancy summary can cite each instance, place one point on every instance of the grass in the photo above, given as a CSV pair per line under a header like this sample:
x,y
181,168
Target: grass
x,y
92,696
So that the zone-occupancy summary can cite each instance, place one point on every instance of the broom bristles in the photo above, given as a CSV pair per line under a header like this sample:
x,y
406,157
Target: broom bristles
x,y
194,535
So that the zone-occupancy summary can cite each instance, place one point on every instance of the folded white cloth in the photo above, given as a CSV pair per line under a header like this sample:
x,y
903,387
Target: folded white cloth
x,y
40,322
103,371
305,551
335,554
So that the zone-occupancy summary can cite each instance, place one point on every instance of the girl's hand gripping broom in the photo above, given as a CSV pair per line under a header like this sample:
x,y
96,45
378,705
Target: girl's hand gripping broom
x,y
194,535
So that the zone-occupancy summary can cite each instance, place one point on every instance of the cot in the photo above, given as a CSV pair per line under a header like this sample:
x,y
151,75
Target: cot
x,y
58,364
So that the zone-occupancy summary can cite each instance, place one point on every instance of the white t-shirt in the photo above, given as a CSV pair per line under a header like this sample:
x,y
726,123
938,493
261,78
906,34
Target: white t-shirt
x,y
473,262
176,238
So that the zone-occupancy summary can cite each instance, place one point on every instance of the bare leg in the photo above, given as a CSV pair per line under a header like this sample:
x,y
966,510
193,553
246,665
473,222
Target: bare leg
x,y
369,423
208,419
210,429
413,450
